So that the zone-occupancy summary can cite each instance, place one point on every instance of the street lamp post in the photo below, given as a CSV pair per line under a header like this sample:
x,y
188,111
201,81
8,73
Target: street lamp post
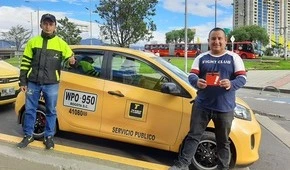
x,y
37,16
285,28
215,6
31,23
37,20
90,11
233,15
185,37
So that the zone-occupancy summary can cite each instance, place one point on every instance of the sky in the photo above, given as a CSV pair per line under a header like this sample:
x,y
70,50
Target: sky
x,y
170,15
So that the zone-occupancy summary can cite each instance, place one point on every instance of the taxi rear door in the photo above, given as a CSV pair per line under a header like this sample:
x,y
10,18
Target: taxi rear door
x,y
81,95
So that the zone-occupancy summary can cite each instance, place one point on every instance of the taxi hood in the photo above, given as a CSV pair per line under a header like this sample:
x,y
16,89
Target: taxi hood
x,y
7,69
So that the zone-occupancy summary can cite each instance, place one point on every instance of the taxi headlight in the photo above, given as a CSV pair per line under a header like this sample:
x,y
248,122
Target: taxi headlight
x,y
242,112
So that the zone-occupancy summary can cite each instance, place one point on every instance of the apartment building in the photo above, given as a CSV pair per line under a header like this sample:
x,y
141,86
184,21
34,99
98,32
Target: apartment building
x,y
273,15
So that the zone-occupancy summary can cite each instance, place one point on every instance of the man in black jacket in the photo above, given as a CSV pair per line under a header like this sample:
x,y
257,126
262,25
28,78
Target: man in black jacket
x,y
39,75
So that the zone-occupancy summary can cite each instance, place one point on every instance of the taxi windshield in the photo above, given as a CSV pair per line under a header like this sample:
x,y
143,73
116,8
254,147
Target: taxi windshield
x,y
181,74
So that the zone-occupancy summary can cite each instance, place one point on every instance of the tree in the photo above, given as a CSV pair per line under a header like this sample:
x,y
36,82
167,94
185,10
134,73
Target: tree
x,y
68,31
178,36
17,36
250,33
127,21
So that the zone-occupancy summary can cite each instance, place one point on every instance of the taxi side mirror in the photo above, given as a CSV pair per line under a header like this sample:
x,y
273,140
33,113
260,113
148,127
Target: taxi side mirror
x,y
169,88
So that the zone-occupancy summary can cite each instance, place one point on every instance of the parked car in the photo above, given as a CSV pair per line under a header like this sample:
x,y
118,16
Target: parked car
x,y
9,78
140,98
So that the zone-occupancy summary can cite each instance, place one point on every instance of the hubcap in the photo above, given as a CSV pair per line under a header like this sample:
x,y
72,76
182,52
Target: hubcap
x,y
206,156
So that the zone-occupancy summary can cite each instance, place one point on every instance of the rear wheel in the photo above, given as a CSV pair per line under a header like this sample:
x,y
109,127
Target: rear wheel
x,y
39,126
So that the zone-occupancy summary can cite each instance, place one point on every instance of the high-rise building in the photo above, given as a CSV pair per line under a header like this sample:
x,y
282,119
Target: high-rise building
x,y
273,15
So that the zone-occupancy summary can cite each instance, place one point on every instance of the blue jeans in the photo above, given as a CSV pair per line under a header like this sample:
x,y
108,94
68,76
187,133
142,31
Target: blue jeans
x,y
50,94
199,121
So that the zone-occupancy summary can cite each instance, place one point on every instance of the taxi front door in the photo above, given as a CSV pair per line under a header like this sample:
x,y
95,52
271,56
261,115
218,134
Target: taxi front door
x,y
134,110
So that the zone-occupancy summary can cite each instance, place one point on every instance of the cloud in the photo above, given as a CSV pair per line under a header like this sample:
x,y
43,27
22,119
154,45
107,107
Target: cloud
x,y
25,16
204,8
201,31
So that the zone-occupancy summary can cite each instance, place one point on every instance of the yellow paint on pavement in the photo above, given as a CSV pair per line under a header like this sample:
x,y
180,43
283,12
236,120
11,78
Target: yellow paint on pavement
x,y
88,153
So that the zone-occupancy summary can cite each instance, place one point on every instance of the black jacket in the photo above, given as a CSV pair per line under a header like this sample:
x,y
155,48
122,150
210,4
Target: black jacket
x,y
42,57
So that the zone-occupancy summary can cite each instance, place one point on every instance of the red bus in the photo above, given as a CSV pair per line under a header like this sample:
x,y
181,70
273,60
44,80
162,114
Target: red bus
x,y
173,49
245,49
192,50
162,49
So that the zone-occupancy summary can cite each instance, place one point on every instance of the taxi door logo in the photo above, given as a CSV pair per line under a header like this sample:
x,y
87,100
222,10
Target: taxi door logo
x,y
136,110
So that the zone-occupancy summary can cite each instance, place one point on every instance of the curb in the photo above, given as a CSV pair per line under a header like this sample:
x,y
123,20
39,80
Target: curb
x,y
278,131
270,89
69,158
268,114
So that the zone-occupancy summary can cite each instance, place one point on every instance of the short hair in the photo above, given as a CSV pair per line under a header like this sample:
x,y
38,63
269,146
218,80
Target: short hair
x,y
217,29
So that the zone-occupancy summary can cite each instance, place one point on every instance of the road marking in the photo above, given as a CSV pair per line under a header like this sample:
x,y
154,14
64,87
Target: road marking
x,y
280,102
274,100
88,153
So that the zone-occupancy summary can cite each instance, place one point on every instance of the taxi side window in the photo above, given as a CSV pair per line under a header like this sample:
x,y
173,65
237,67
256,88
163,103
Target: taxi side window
x,y
88,64
132,71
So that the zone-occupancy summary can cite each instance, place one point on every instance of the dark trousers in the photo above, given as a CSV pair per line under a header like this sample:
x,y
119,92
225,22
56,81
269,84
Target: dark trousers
x,y
199,121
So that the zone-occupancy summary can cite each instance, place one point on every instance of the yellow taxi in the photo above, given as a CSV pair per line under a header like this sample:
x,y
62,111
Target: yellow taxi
x,y
140,98
9,87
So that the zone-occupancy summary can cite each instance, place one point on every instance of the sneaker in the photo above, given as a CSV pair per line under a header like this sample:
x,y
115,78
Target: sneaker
x,y
25,141
175,167
48,141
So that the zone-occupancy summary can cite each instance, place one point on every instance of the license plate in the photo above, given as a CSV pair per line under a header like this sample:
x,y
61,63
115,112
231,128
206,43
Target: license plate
x,y
7,92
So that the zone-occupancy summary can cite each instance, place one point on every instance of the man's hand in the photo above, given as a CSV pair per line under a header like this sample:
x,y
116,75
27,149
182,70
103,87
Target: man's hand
x,y
226,83
23,88
201,83
72,60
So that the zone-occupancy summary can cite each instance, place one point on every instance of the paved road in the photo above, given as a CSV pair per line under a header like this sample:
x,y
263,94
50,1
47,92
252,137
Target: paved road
x,y
62,157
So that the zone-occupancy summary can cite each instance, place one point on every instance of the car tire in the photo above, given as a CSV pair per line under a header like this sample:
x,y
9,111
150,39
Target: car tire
x,y
244,56
40,122
205,157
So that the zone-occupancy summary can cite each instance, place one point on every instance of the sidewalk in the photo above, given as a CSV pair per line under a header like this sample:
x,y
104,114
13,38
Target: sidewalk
x,y
274,80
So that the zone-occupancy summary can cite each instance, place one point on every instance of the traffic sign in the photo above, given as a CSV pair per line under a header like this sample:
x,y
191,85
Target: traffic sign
x,y
232,38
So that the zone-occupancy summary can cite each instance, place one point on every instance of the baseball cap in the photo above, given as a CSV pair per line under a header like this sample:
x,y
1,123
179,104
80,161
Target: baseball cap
x,y
48,17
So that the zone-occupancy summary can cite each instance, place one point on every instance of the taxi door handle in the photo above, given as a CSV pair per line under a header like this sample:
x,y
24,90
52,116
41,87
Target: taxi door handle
x,y
117,93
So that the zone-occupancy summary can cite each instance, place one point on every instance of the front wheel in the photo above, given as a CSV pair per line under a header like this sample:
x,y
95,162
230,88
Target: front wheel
x,y
244,56
205,157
